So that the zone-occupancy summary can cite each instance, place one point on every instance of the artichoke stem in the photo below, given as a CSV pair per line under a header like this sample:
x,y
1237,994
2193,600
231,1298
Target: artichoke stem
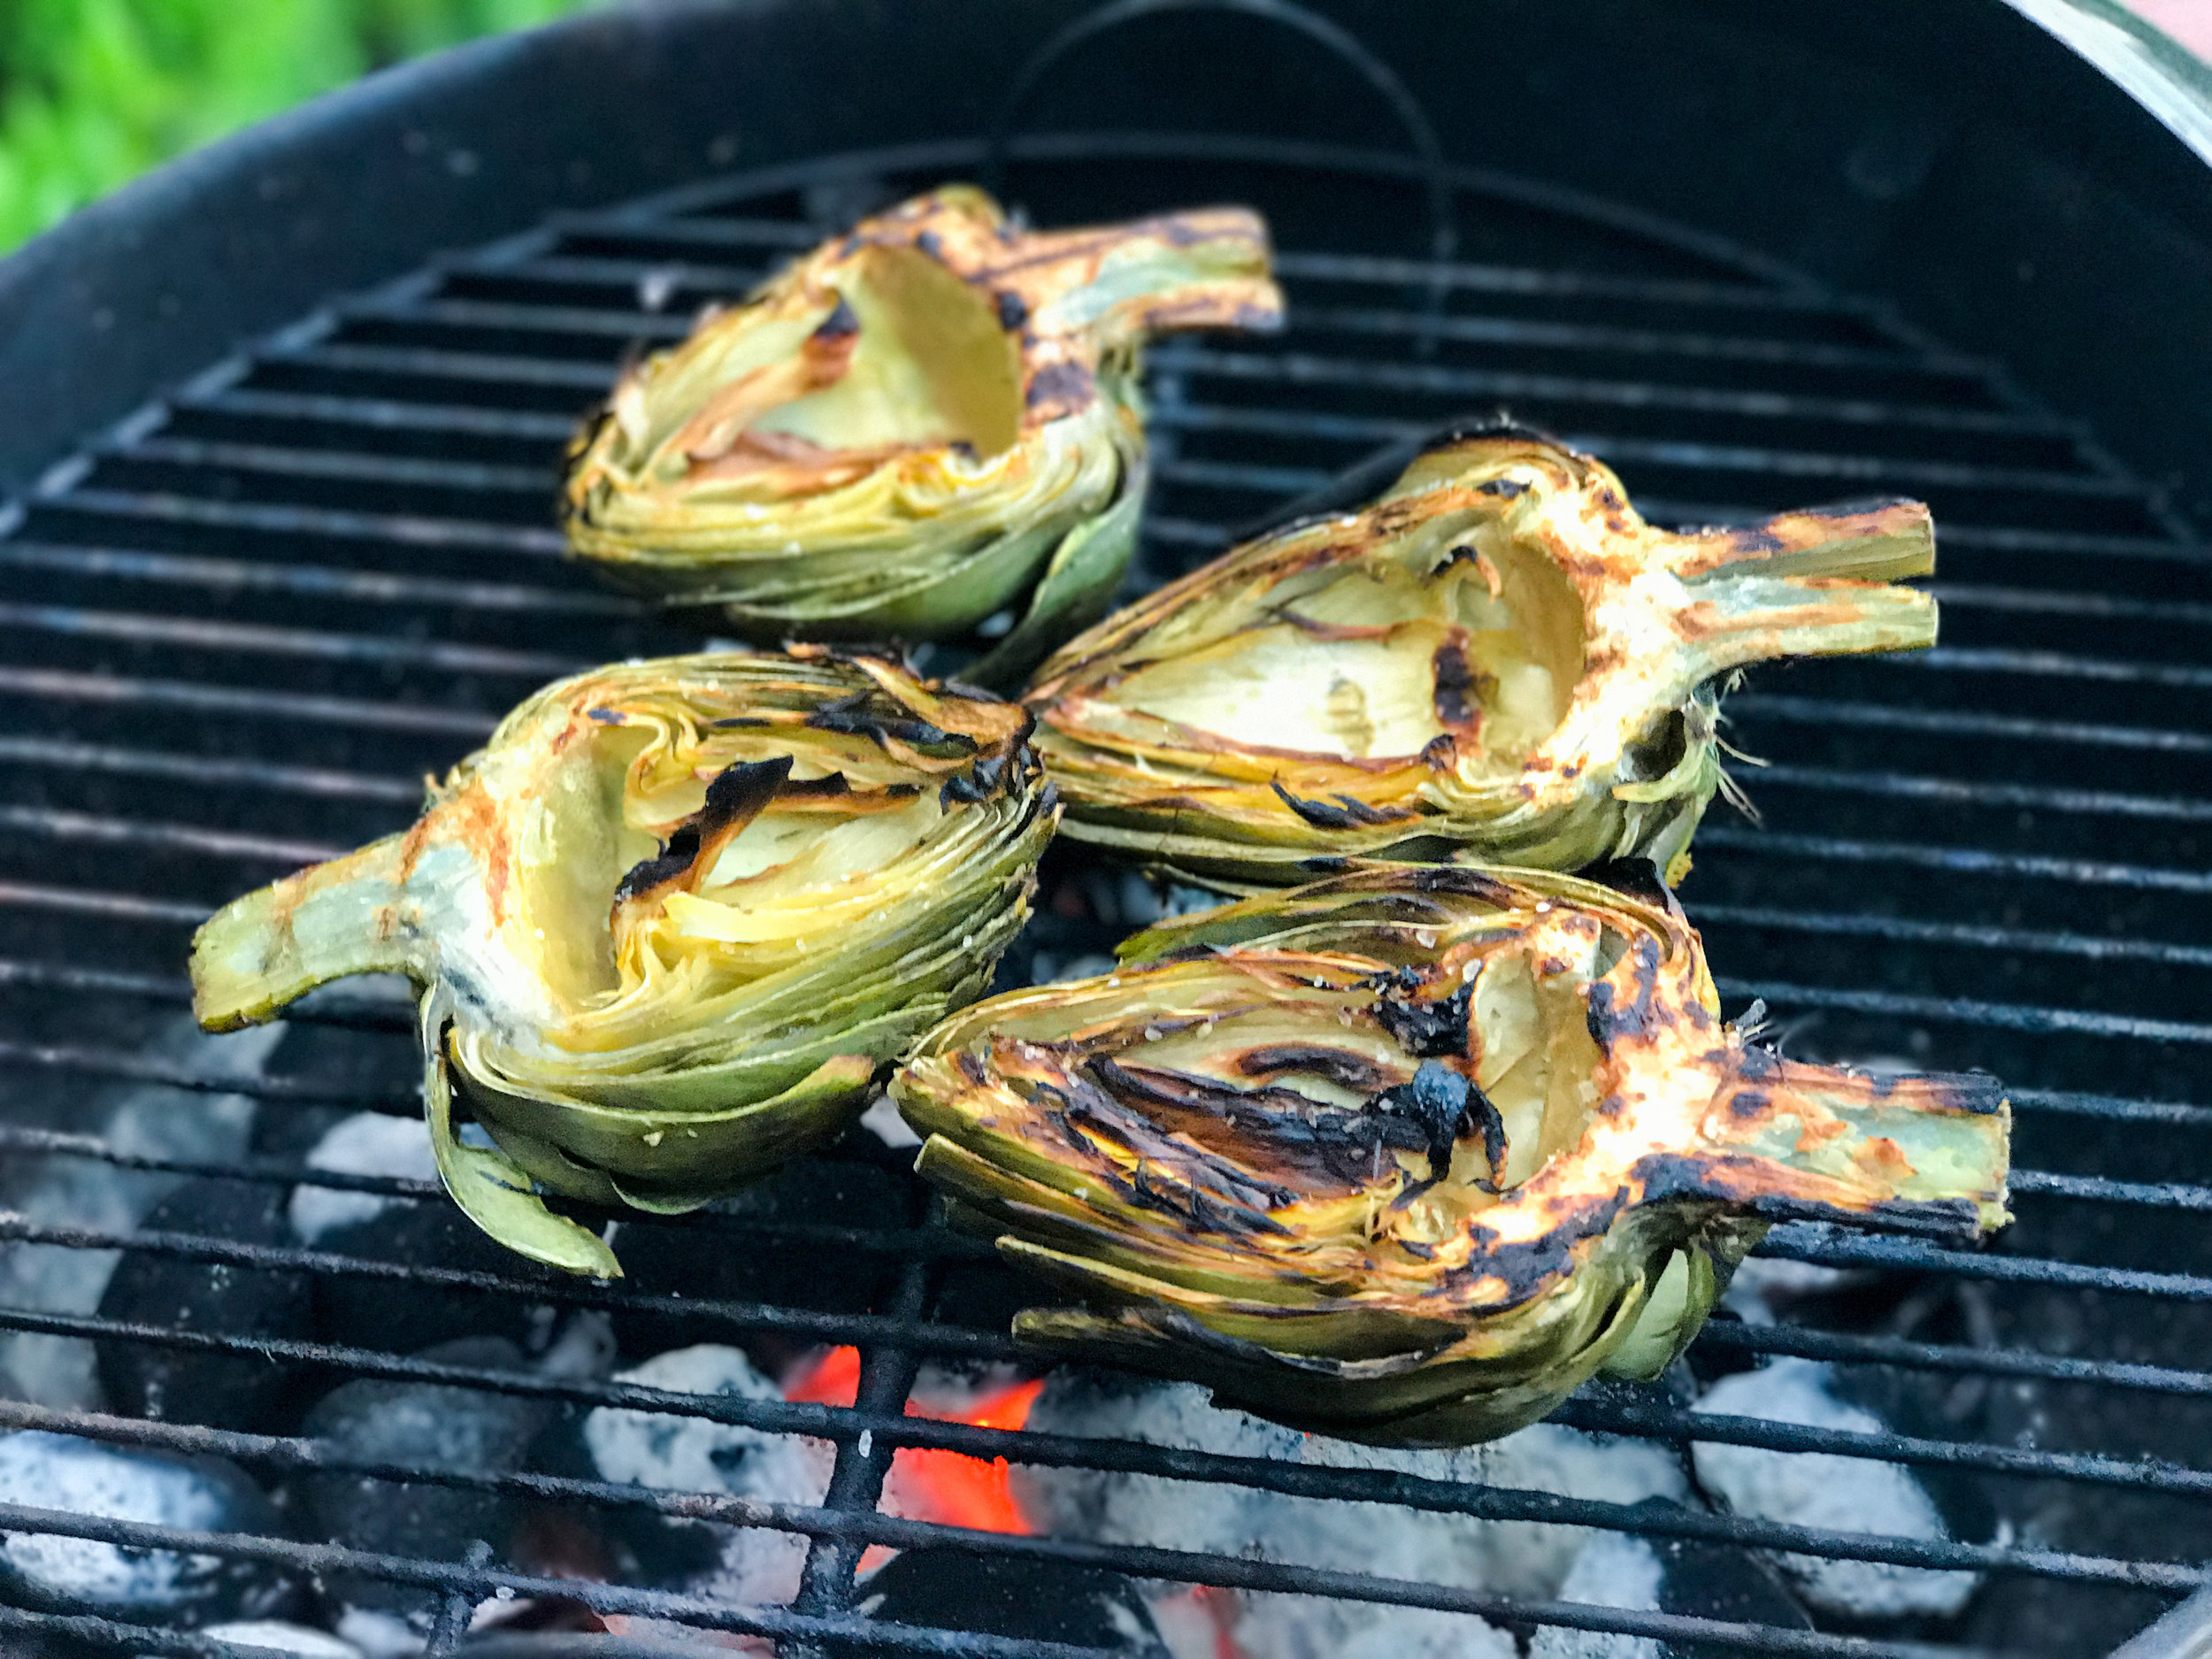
x,y
1810,584
1879,541
262,951
1867,1140
1754,619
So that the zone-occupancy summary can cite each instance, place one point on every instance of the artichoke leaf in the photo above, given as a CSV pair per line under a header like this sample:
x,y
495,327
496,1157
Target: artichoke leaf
x,y
489,1187
1409,1153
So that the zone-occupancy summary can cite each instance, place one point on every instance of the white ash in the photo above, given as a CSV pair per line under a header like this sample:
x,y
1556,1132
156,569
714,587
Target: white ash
x,y
1612,1570
1524,1558
91,1478
1764,1288
146,1119
1850,1495
376,1635
1045,968
882,1121
298,1641
367,1143
1186,900
683,1454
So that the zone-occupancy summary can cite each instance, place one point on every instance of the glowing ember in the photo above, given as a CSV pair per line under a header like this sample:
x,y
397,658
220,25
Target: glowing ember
x,y
945,1487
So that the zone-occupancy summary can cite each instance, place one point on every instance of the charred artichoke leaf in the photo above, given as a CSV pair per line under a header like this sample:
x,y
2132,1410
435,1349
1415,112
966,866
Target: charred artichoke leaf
x,y
926,421
669,923
1407,1154
1499,657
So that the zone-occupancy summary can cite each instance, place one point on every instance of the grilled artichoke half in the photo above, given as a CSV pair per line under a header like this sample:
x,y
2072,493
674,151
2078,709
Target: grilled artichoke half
x,y
1498,655
921,424
1409,1154
668,923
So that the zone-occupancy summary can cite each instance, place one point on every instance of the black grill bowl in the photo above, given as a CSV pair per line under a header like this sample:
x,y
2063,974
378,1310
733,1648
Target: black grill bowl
x,y
284,425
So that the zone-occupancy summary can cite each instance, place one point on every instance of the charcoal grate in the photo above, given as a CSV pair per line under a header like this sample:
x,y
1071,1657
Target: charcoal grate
x,y
238,628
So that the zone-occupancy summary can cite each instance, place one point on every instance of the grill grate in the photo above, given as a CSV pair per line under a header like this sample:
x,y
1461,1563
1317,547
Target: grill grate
x,y
239,627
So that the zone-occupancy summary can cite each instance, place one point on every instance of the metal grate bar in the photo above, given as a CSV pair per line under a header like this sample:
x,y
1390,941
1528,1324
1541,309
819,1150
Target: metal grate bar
x,y
1958,860
197,697
286,460
611,322
1494,279
1858,469
325,1007
255,776
2055,665
1801,1242
1462,385
100,829
425,363
2038,602
124,906
2095,948
1956,723
2119,1108
1622,1416
2103,1189
316,521
131,1068
1965,792
1967,1011
1512,331
718,232
2006,539
227,576
1851,1348
261,640
639,275
384,414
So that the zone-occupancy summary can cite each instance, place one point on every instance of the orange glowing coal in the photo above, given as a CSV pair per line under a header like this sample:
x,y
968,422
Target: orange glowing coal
x,y
945,1487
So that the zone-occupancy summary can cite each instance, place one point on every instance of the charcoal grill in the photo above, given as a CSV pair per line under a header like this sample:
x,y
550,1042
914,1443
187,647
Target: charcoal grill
x,y
244,614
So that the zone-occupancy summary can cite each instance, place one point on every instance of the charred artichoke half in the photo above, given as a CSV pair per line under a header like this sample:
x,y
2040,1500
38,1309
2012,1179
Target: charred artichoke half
x,y
924,423
1499,656
1409,1154
668,924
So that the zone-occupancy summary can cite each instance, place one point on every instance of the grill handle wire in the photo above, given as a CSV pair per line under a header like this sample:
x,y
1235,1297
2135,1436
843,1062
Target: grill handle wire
x,y
1420,131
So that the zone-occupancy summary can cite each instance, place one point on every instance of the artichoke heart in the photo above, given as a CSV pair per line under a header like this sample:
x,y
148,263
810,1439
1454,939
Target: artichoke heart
x,y
1407,1154
924,423
668,924
1499,656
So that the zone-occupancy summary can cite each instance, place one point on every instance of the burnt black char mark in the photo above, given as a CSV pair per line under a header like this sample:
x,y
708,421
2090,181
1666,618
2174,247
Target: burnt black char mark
x,y
735,799
1063,383
1459,687
1442,1108
978,782
1425,1028
1300,1139
1340,1066
853,715
1170,1171
841,325
1347,813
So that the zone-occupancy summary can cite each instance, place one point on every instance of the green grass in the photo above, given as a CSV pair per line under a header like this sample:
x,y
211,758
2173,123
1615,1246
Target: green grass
x,y
94,92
